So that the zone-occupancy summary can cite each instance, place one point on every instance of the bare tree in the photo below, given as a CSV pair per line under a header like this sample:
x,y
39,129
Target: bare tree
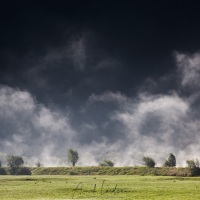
x,y
38,164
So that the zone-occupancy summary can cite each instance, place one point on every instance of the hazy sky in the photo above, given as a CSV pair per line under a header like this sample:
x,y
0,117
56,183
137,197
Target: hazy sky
x,y
111,79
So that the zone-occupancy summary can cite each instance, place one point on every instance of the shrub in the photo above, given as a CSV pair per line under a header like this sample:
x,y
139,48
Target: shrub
x,y
107,163
23,171
193,165
148,161
2,171
72,173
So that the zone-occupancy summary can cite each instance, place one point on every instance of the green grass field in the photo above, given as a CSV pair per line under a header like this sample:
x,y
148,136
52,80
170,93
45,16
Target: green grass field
x,y
99,187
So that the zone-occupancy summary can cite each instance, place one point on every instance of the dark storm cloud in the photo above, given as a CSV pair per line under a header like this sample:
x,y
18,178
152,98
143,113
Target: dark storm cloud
x,y
134,126
138,36
99,77
146,123
161,123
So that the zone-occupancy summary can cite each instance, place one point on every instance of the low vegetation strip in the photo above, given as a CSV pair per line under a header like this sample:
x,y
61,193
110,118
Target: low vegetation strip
x,y
143,171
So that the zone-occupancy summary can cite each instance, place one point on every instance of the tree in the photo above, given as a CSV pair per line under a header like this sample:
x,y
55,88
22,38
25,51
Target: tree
x,y
106,163
14,163
148,161
171,161
72,157
193,165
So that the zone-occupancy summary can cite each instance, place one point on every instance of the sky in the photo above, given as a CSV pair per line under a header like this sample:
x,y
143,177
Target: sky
x,y
114,80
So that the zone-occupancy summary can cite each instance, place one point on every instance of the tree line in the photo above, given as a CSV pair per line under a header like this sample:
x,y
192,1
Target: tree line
x,y
150,162
15,164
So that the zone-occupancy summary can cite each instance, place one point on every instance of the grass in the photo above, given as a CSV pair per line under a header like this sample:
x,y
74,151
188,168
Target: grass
x,y
98,187
158,171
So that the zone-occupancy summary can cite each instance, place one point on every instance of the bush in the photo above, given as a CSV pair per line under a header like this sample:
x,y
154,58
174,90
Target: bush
x,y
148,161
72,173
2,171
107,163
23,171
193,165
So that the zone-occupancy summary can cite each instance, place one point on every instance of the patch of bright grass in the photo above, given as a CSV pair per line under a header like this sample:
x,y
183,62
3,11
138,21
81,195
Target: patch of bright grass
x,y
98,187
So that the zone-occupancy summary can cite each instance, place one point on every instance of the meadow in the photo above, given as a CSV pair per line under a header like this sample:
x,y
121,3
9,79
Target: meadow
x,y
98,187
